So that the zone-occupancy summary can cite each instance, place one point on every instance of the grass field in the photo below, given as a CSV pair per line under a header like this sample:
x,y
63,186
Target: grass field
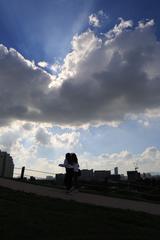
x,y
27,216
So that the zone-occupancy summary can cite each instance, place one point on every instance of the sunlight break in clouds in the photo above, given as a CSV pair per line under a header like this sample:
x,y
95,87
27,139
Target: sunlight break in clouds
x,y
89,90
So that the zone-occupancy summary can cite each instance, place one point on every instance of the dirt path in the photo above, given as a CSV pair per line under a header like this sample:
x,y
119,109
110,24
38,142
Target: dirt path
x,y
82,197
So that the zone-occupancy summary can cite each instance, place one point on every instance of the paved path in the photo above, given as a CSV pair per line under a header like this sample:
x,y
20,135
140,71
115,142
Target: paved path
x,y
82,197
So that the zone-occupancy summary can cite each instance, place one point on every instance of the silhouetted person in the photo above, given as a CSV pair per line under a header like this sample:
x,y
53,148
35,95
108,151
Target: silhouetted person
x,y
76,170
68,164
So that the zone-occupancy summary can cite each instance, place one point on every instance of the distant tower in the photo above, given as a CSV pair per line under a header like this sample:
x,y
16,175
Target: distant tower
x,y
136,166
116,170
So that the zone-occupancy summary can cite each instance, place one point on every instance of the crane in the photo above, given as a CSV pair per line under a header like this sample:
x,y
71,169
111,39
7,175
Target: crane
x,y
135,165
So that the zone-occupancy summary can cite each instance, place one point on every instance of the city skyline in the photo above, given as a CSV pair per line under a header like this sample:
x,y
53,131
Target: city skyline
x,y
80,76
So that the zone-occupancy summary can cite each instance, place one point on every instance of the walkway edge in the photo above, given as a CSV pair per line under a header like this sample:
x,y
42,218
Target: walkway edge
x,y
92,199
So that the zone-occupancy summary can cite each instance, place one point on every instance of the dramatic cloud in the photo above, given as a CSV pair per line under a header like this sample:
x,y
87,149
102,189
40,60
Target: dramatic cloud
x,y
22,86
102,80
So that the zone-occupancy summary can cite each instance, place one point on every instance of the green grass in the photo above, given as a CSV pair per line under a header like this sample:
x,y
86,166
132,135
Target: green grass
x,y
27,216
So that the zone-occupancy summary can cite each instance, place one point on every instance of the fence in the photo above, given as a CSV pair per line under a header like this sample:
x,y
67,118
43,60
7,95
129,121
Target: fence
x,y
26,172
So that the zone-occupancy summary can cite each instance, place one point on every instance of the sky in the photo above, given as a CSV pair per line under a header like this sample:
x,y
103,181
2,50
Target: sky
x,y
80,76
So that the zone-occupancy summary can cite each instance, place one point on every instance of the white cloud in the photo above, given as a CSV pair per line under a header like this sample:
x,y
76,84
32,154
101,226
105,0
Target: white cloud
x,y
147,161
145,24
82,47
96,20
56,67
24,141
66,140
23,156
36,134
29,158
152,113
43,64
119,28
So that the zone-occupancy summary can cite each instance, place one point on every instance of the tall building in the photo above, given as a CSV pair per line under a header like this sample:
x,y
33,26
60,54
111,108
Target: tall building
x,y
116,171
6,165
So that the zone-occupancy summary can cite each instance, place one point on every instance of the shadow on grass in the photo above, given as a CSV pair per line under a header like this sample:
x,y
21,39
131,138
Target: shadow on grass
x,y
27,216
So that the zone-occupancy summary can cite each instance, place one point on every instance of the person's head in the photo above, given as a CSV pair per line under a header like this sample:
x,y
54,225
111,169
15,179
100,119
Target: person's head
x,y
68,155
74,158
69,158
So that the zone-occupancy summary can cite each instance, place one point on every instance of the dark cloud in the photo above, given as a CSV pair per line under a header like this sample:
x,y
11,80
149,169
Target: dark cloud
x,y
111,78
